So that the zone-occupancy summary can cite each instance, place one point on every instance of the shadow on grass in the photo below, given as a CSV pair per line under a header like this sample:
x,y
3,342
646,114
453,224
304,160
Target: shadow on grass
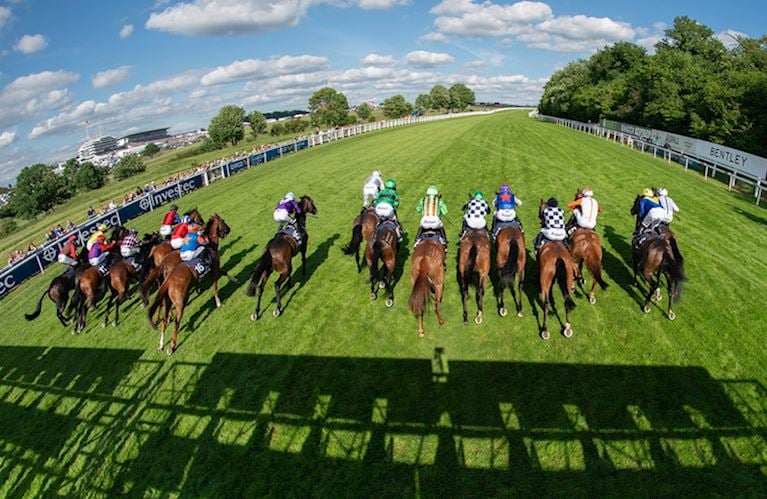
x,y
754,218
620,269
302,274
106,422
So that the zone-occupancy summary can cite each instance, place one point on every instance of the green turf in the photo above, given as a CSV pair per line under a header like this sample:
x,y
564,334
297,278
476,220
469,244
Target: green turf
x,y
339,397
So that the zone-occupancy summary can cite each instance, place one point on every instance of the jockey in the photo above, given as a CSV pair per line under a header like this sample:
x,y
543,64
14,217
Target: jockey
x,y
505,203
286,210
100,229
476,211
194,246
370,189
169,220
668,205
179,233
651,213
431,208
552,224
585,210
386,204
99,256
68,255
130,245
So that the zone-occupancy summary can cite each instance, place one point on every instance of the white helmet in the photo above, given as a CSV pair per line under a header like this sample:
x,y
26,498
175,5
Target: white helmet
x,y
662,191
376,173
587,193
290,196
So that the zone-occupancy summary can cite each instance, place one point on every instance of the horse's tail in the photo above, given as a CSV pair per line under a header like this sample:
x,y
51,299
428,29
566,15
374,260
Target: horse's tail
x,y
420,294
595,267
468,270
34,315
509,270
161,296
673,263
354,244
565,280
264,263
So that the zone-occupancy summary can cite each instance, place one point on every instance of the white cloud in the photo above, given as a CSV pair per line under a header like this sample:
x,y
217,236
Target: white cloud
x,y
126,31
380,4
424,59
27,95
587,28
29,44
478,63
110,77
5,16
260,69
434,37
730,37
378,60
6,138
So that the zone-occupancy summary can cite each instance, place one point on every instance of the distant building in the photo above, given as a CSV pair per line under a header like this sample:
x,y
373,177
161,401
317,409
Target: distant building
x,y
158,135
96,147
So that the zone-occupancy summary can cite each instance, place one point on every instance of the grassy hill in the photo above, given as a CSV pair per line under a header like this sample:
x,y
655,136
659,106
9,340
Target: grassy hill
x,y
339,397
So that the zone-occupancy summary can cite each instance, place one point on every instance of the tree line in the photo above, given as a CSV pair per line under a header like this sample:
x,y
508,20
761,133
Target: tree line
x,y
693,85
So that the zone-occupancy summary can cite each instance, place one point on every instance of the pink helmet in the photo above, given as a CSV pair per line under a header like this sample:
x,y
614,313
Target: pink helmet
x,y
505,188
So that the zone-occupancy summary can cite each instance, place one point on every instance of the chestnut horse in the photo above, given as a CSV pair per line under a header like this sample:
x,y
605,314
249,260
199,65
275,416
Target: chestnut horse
x,y
555,263
158,254
427,275
382,246
362,229
586,247
510,258
174,291
474,257
278,257
58,291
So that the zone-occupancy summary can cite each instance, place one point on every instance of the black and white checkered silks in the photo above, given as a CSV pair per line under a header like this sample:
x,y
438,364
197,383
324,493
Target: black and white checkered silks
x,y
553,218
477,209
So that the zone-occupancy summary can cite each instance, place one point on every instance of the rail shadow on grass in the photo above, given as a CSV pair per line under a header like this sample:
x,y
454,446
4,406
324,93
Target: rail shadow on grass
x,y
93,421
620,268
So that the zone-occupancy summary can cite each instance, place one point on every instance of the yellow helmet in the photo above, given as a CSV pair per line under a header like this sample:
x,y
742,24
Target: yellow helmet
x,y
102,227
648,193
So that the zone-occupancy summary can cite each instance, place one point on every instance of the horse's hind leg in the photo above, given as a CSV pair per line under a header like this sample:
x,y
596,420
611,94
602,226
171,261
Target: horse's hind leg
x,y
110,303
464,296
277,288
390,284
438,289
671,291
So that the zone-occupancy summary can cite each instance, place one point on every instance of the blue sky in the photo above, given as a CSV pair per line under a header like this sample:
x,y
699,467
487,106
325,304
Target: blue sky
x,y
127,66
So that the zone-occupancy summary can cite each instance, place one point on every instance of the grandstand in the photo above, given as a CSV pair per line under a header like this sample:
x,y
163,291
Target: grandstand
x,y
159,134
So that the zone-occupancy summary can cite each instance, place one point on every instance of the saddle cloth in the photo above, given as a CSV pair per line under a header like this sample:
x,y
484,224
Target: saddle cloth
x,y
431,235
638,240
201,265
500,225
290,230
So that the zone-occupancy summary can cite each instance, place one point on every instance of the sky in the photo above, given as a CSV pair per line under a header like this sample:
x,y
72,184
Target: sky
x,y
123,67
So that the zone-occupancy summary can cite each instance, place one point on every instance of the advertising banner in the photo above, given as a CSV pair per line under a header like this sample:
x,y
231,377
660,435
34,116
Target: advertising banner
x,y
237,165
17,274
258,158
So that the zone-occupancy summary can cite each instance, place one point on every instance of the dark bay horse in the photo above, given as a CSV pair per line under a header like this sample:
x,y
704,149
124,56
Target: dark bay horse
x,y
362,229
278,257
382,246
658,256
510,258
175,289
474,258
427,275
59,289
586,247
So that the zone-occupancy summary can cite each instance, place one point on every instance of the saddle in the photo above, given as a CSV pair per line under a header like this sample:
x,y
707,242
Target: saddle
x,y
541,241
387,223
639,239
134,262
469,230
430,235
201,265
292,231
499,226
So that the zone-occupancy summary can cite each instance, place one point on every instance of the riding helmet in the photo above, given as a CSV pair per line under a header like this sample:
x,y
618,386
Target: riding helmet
x,y
478,196
552,203
648,193
390,184
432,190
662,191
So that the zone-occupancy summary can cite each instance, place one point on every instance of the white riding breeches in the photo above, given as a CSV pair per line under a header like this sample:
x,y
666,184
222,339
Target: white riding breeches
x,y
506,215
475,222
384,210
177,243
166,230
554,234
431,222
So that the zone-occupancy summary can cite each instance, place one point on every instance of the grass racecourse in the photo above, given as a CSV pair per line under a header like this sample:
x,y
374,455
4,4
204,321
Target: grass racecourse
x,y
339,396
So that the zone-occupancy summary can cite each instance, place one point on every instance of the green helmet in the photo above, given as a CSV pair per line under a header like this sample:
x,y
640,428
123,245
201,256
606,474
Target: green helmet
x,y
390,184
432,190
478,196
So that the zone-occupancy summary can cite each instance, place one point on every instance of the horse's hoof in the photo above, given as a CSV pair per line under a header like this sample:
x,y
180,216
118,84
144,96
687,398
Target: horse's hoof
x,y
593,300
658,295
671,315
545,335
159,349
104,325
478,319
568,332
502,312
253,317
373,296
276,312
169,351
389,303
441,322
646,309
114,323
466,322
381,285
420,334
519,315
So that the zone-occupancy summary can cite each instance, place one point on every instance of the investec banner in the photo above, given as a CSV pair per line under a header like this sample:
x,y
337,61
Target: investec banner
x,y
237,165
703,149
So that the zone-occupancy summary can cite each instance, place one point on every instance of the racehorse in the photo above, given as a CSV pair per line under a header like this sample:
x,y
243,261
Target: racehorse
x,y
362,229
278,257
657,256
382,246
122,272
555,262
58,291
427,275
91,284
474,257
586,247
510,258
174,291
157,256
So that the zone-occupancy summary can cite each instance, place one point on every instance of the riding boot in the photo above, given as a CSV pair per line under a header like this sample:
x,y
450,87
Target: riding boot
x,y
521,229
418,236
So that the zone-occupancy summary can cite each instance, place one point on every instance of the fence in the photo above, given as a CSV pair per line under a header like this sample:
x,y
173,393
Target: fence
x,y
688,160
39,260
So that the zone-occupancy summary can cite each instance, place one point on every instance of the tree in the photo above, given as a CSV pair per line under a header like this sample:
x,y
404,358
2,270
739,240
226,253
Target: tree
x,y
423,101
296,126
38,189
7,227
461,97
328,107
226,126
439,97
128,166
69,174
150,150
364,112
89,177
396,107
257,122
277,129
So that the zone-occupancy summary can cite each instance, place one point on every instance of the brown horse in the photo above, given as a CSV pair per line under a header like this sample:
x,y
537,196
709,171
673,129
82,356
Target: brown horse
x,y
175,289
362,229
157,256
658,256
474,257
510,258
58,291
586,247
278,257
427,275
382,246
555,262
